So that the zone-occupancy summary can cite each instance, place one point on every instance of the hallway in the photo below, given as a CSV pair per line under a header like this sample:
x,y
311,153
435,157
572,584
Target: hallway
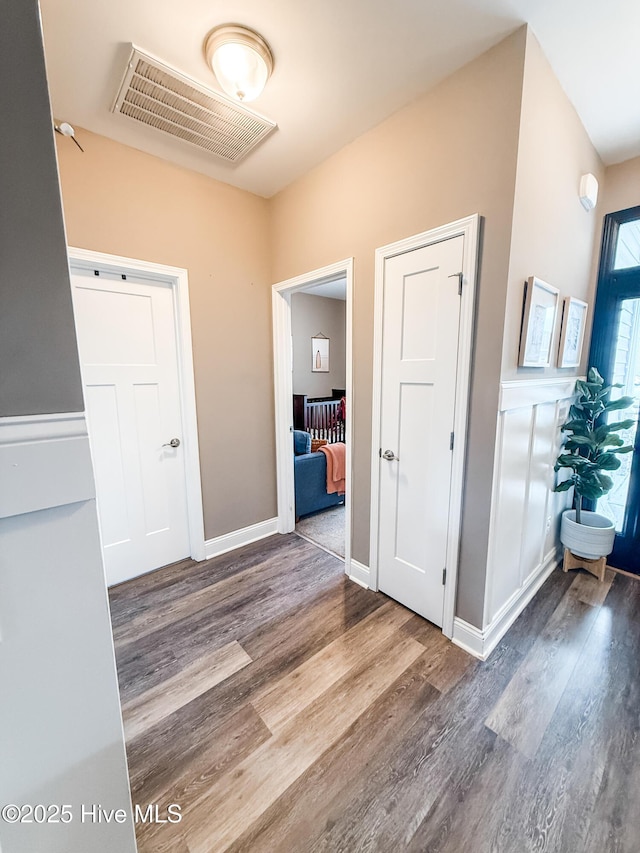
x,y
285,708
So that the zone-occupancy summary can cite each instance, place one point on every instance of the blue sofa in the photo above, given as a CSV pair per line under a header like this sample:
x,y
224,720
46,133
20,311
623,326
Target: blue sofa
x,y
310,474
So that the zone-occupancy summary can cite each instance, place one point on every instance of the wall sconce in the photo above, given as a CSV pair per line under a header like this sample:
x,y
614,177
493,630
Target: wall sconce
x,y
588,191
241,60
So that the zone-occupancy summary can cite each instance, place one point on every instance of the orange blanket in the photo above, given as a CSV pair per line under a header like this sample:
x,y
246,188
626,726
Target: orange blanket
x,y
336,467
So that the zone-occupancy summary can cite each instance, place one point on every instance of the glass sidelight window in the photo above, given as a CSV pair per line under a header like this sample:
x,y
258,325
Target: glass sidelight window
x,y
626,372
627,245
615,351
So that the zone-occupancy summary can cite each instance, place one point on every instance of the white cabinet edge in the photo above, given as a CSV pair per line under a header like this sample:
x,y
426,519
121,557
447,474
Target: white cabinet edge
x,y
27,428
45,462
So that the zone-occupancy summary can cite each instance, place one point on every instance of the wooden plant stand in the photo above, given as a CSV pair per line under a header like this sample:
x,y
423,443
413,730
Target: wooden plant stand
x,y
596,567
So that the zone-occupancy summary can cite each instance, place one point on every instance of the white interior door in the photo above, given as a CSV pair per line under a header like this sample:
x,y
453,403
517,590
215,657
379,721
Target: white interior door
x,y
128,356
421,321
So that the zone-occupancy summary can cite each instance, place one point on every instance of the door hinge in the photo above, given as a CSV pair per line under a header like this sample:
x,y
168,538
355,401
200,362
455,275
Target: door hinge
x,y
452,439
460,277
444,577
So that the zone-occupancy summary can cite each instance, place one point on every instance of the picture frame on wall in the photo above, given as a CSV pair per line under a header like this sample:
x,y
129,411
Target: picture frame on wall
x,y
320,354
538,323
574,323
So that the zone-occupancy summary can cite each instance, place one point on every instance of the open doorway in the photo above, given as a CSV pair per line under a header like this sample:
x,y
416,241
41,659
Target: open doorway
x,y
313,370
318,334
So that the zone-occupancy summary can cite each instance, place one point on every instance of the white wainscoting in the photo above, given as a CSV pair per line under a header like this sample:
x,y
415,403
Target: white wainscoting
x,y
44,462
59,683
525,512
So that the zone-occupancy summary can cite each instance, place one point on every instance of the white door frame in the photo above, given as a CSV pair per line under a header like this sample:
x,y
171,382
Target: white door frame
x,y
85,259
283,385
468,227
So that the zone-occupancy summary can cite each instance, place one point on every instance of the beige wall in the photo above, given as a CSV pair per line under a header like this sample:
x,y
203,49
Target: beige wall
x,y
310,315
553,235
621,186
449,154
125,202
498,138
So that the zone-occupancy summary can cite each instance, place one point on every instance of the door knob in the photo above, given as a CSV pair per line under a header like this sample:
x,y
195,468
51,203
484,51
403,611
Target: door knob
x,y
175,442
389,455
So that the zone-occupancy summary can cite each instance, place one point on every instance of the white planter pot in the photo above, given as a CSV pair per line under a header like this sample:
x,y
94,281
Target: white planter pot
x,y
592,539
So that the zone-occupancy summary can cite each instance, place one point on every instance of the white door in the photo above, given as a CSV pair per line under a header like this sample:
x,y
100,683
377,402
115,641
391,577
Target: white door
x,y
421,319
128,356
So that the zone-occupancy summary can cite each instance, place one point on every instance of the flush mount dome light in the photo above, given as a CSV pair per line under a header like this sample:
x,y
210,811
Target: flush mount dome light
x,y
240,59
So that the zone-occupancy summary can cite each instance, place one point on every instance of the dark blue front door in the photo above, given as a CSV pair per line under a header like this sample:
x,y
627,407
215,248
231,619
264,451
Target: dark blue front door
x,y
615,351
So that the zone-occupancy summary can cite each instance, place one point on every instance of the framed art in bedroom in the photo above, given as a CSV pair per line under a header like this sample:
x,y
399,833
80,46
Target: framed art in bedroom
x,y
320,354
538,323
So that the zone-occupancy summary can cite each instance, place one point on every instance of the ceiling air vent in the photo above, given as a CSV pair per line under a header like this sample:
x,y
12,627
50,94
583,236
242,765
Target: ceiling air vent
x,y
157,95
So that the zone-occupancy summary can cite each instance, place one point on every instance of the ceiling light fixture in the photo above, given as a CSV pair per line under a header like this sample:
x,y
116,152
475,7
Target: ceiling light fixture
x,y
241,60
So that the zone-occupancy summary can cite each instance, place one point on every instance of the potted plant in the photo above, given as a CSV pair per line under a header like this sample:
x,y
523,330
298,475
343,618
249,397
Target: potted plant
x,y
590,450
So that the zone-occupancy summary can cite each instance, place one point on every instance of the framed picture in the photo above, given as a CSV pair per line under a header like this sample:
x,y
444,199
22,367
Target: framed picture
x,y
320,354
538,322
574,321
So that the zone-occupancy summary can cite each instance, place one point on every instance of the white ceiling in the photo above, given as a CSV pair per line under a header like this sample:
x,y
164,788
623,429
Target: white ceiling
x,y
341,66
329,290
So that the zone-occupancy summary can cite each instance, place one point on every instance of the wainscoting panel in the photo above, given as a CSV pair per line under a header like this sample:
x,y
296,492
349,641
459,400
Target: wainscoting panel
x,y
508,526
59,683
558,502
44,462
525,512
540,481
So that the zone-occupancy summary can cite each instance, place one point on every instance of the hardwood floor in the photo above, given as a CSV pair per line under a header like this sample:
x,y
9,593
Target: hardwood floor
x,y
285,708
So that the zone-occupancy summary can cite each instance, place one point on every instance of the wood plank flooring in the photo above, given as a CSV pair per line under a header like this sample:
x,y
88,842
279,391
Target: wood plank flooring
x,y
285,708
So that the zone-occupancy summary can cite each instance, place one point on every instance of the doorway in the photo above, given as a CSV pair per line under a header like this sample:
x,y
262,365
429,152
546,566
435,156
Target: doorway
x,y
318,333
425,294
135,357
615,351
306,489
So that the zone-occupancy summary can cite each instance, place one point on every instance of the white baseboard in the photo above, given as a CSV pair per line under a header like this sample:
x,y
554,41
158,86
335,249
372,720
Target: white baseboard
x,y
469,638
237,538
359,573
479,643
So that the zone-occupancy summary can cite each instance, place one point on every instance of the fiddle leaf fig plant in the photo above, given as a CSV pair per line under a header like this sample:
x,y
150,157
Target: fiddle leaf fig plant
x,y
592,446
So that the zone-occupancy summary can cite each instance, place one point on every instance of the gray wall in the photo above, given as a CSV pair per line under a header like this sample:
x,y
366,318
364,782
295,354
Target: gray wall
x,y
39,365
61,739
310,315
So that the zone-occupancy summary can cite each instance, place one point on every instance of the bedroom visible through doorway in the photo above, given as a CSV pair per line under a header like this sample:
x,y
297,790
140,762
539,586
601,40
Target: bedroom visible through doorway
x,y
318,334
312,355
